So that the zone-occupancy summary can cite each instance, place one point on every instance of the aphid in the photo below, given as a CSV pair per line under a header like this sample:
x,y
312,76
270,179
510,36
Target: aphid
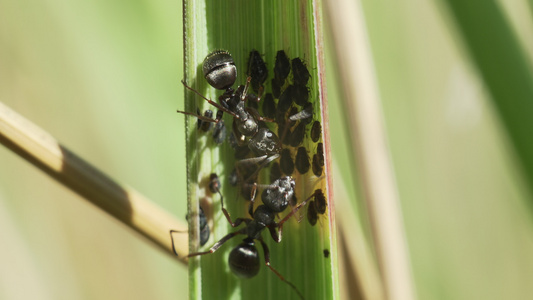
x,y
202,125
320,201
219,132
269,106
320,153
286,164
317,168
315,131
275,171
300,73
302,161
244,258
214,183
316,207
326,253
282,68
297,135
285,124
300,94
233,178
257,70
252,104
204,230
312,215
276,87
293,201
285,100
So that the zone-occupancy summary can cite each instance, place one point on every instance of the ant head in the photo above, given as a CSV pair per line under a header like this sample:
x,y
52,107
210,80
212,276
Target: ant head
x,y
244,259
278,195
220,70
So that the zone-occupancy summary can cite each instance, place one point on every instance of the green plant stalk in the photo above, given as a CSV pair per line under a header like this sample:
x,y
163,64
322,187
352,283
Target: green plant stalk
x,y
239,27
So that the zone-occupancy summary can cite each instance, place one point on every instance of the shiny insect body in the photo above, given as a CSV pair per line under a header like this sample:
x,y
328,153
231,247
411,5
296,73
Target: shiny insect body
x,y
244,259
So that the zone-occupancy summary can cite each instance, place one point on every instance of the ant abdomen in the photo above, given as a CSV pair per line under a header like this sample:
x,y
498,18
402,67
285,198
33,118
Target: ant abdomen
x,y
244,260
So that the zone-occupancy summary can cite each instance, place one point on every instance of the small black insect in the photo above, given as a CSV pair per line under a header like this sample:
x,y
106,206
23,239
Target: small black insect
x,y
282,68
214,183
285,101
202,125
204,230
316,207
300,94
317,168
276,87
316,131
320,201
269,106
326,253
275,171
297,135
320,153
219,132
302,161
257,70
312,215
285,124
286,163
300,73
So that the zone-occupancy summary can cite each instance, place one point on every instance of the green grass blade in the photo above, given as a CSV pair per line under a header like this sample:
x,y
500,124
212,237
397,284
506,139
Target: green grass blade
x,y
239,27
504,67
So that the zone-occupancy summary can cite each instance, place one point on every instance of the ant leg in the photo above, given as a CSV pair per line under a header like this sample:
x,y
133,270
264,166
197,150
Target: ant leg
x,y
246,86
238,221
252,199
217,244
258,116
199,116
208,100
276,235
172,239
300,205
266,253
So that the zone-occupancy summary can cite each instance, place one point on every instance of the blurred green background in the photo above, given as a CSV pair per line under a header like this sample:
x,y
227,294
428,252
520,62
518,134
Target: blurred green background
x,y
103,77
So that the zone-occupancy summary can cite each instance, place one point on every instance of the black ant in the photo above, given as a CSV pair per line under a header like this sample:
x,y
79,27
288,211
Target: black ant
x,y
220,72
244,258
